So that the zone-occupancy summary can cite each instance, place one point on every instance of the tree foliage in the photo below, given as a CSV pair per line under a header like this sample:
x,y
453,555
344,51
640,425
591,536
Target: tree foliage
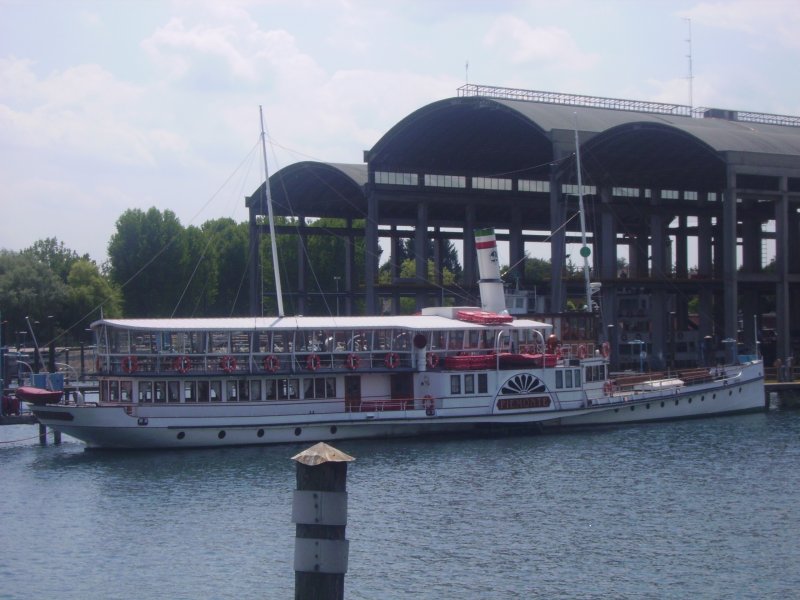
x,y
60,306
55,256
148,262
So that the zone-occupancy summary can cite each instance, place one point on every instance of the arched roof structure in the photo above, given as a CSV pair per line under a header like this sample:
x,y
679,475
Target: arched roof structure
x,y
462,162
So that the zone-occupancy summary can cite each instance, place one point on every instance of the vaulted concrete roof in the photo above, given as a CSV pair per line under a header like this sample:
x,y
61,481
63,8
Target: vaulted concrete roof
x,y
494,137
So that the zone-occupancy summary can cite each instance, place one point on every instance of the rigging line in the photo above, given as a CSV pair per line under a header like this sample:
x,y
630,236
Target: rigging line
x,y
191,277
551,163
242,279
148,263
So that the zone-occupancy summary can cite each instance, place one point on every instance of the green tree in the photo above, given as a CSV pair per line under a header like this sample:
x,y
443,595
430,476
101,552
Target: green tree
x,y
57,257
229,244
147,258
89,294
28,288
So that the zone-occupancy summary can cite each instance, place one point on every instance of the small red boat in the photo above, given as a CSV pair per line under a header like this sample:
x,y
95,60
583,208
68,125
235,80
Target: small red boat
x,y
38,396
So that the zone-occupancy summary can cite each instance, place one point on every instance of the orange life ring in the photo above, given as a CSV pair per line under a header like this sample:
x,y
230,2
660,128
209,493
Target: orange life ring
x,y
182,364
352,361
313,362
227,363
391,360
605,349
130,364
272,363
428,402
432,360
582,351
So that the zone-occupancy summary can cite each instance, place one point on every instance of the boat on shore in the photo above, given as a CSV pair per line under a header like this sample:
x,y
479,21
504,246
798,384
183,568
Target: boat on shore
x,y
176,383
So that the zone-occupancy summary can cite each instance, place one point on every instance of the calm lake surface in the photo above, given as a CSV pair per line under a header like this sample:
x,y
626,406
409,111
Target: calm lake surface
x,y
692,509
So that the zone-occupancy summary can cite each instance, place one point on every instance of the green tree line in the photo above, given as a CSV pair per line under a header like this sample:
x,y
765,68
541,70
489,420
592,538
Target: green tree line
x,y
159,268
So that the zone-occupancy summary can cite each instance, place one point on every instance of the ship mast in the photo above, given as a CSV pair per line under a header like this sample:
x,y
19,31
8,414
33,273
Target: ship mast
x,y
274,245
585,251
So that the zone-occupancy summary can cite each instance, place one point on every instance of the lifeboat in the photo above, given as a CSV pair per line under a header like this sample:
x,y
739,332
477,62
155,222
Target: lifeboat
x,y
483,317
38,396
510,360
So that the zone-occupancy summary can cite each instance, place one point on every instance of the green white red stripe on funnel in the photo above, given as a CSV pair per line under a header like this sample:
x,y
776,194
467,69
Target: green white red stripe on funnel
x,y
484,238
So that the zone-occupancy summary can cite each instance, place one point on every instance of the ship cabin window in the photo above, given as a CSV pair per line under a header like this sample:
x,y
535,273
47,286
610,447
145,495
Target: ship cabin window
x,y
436,341
255,390
596,373
159,391
220,342
359,342
455,384
382,339
483,383
469,383
559,379
197,342
455,340
311,341
111,391
244,391
126,391
120,341
202,392
568,378
215,391
145,391
190,391
261,342
230,391
339,340
319,387
288,389
240,342
402,341
174,391
281,341
270,385
577,381
174,342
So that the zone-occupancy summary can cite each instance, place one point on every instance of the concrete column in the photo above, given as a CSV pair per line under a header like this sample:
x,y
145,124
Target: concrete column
x,y
470,271
421,253
558,251
371,253
782,258
516,247
705,272
606,265
729,276
681,249
302,262
350,268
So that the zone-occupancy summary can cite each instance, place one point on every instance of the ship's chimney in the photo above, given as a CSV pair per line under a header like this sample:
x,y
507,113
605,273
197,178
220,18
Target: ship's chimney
x,y
491,287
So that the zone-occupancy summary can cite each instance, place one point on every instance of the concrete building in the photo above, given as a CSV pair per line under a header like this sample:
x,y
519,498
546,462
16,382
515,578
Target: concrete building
x,y
692,216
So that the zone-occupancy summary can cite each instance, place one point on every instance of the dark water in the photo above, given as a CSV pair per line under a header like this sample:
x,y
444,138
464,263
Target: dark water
x,y
699,509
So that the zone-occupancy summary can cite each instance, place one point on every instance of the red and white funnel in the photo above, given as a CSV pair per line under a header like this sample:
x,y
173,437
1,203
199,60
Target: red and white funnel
x,y
491,287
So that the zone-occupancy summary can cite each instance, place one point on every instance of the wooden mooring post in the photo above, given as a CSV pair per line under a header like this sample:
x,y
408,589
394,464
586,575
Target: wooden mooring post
x,y
43,435
319,510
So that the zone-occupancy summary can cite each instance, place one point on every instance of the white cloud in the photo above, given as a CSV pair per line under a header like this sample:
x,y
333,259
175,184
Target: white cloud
x,y
521,43
778,19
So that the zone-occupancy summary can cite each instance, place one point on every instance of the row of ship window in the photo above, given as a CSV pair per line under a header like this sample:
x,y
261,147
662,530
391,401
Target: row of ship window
x,y
241,390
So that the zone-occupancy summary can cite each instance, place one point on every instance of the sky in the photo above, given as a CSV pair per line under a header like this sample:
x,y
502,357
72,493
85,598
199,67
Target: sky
x,y
111,105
